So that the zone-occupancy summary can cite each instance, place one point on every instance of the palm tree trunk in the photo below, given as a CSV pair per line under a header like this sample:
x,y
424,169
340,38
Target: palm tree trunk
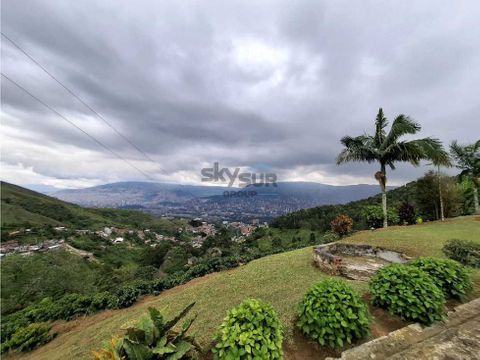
x,y
442,213
383,184
384,207
475,200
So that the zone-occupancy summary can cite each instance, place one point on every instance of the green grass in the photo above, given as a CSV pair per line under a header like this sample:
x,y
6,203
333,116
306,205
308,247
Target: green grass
x,y
279,279
420,240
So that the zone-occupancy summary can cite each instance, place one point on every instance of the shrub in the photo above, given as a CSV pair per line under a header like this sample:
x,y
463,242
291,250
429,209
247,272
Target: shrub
x,y
419,221
465,252
408,292
329,236
342,225
448,275
152,338
333,314
374,216
406,214
103,300
250,331
125,296
29,337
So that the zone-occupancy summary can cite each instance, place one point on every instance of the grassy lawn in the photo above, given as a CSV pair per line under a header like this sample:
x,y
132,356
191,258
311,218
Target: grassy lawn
x,y
279,279
421,240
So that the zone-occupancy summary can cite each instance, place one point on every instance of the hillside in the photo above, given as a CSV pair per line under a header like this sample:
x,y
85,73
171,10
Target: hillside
x,y
23,207
319,218
279,279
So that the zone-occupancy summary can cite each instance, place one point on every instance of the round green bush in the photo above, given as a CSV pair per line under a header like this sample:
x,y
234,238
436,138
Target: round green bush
x,y
408,292
250,331
332,313
451,277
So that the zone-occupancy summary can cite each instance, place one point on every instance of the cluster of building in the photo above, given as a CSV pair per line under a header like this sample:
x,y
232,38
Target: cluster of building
x,y
14,247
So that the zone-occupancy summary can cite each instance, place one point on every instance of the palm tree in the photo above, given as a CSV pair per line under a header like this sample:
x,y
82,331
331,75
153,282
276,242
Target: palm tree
x,y
387,149
467,158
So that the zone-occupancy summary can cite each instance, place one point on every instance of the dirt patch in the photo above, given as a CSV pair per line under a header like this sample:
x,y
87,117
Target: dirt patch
x,y
383,322
301,348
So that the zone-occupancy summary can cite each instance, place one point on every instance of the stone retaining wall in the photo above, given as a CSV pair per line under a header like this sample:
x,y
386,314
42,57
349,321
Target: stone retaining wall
x,y
456,338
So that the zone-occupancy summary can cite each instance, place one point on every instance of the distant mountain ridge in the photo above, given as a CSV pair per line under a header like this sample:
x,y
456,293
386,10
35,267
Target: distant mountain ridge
x,y
210,201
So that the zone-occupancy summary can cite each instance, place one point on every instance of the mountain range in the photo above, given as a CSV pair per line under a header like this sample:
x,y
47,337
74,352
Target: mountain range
x,y
216,202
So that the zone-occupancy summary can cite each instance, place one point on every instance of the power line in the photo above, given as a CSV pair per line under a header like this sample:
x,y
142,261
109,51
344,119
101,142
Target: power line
x,y
71,92
76,126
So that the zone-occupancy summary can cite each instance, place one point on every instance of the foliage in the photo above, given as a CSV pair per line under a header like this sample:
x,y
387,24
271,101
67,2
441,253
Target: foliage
x,y
408,292
329,236
374,216
319,218
153,338
467,158
48,275
342,225
126,296
250,331
406,214
448,275
333,314
464,251
428,196
29,337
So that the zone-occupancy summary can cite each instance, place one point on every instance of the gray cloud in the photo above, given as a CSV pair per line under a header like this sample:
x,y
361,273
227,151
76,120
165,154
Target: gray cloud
x,y
242,83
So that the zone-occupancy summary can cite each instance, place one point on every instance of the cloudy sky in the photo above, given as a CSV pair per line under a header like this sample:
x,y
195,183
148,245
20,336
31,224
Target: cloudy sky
x,y
259,84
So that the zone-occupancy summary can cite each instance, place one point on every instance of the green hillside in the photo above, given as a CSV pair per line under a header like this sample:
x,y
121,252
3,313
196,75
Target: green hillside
x,y
319,218
21,207
279,279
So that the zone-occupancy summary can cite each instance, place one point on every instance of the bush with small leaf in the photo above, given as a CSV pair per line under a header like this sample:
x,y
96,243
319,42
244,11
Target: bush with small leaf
x,y
333,314
153,338
408,292
374,216
464,251
451,277
29,337
250,331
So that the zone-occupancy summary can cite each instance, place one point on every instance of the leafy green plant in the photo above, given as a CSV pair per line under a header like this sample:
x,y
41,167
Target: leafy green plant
x,y
29,337
447,274
342,225
374,216
465,252
408,292
329,236
332,313
250,331
153,338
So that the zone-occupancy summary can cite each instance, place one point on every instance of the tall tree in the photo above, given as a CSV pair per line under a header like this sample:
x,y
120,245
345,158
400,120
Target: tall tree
x,y
439,161
387,149
467,158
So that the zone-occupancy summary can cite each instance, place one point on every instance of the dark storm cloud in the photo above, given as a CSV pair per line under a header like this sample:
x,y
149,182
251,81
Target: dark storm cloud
x,y
243,83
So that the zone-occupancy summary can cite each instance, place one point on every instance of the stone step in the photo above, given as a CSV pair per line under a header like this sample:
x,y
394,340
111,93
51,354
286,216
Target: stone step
x,y
459,334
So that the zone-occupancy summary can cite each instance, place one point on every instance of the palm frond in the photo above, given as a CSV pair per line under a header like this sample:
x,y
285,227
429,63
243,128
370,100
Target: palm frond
x,y
404,151
402,125
381,123
357,149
